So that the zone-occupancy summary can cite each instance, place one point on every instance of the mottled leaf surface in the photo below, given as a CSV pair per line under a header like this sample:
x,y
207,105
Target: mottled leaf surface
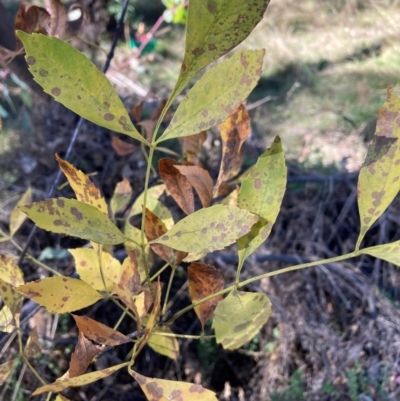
x,y
177,184
99,332
216,95
10,272
261,193
379,179
234,131
214,27
75,218
167,390
204,280
84,189
32,347
60,385
60,294
209,229
201,181
17,218
82,356
97,268
239,317
13,299
163,345
388,252
73,80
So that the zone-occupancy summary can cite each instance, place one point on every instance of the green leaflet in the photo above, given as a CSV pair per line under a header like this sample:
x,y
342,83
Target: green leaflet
x,y
78,219
213,28
73,80
388,252
379,179
208,229
261,193
216,95
239,317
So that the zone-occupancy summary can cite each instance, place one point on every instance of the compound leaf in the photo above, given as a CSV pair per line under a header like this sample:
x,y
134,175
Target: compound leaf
x,y
379,179
66,74
60,294
75,218
208,229
216,95
239,317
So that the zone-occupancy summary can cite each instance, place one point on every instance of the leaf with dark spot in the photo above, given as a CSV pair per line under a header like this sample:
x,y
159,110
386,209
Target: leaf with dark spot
x,y
60,385
98,332
75,218
165,390
234,131
84,189
78,84
261,193
216,95
239,317
60,294
213,29
209,229
379,179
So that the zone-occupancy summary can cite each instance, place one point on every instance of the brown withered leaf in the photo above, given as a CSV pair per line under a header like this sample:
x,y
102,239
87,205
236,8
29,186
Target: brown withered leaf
x,y
137,112
152,320
148,126
82,356
177,184
59,18
121,147
32,348
153,229
129,283
98,332
193,143
201,182
204,280
31,19
156,115
121,196
234,131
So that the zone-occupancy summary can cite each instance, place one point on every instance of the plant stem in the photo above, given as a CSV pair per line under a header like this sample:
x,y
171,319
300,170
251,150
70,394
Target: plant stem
x,y
159,272
171,278
42,381
260,277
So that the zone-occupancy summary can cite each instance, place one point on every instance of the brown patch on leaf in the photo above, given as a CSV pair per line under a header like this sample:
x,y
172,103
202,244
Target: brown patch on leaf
x,y
204,280
177,184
